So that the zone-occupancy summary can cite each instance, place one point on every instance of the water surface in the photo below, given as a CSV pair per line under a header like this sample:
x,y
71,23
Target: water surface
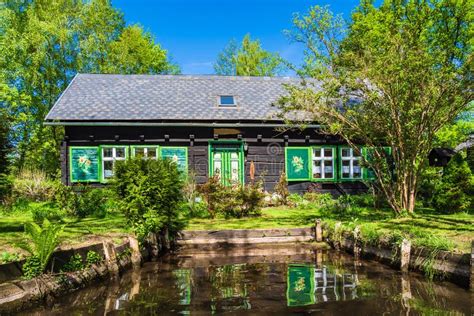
x,y
264,280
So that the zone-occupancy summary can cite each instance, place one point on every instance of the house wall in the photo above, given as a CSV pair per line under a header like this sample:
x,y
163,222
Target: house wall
x,y
265,148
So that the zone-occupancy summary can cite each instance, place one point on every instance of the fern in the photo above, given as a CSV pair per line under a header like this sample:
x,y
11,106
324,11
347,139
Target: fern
x,y
42,240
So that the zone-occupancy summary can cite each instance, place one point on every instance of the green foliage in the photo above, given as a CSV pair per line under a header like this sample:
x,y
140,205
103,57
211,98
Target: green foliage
x,y
75,263
193,204
150,195
459,131
455,191
235,201
40,244
40,212
6,257
44,44
248,59
394,76
281,189
135,52
33,185
92,258
5,147
82,201
295,199
213,192
32,267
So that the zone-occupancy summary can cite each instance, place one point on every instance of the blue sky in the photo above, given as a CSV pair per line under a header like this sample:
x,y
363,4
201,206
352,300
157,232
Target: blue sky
x,y
194,32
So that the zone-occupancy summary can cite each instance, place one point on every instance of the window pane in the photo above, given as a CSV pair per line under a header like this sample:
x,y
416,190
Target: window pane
x,y
151,153
346,169
356,173
317,152
357,153
328,171
327,152
119,152
140,152
227,100
108,169
317,169
107,152
346,152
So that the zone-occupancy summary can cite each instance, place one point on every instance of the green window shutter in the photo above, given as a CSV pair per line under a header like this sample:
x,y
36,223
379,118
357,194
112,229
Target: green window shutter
x,y
84,164
300,285
178,155
298,163
367,152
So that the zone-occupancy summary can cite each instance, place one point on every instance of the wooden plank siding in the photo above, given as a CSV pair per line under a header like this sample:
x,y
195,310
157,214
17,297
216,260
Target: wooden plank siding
x,y
265,148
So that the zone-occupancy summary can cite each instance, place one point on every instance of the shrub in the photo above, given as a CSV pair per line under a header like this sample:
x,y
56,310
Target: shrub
x,y
193,204
251,197
150,195
33,185
281,189
41,212
295,199
92,258
82,201
232,201
32,267
213,192
75,264
455,191
242,201
318,199
6,185
40,243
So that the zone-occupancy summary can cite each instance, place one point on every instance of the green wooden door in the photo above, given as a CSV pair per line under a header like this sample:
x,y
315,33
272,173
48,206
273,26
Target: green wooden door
x,y
227,164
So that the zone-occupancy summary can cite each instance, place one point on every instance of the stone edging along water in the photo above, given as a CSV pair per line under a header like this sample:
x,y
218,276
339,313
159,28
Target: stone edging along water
x,y
20,294
439,264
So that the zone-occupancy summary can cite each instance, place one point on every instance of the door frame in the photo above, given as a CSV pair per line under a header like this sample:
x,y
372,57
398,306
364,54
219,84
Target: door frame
x,y
239,149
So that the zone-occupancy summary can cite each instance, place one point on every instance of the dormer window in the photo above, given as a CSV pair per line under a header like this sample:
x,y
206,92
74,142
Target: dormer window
x,y
227,101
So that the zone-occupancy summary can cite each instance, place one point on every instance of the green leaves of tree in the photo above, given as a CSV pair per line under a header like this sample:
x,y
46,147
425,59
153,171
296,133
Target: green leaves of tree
x,y
248,59
44,44
402,72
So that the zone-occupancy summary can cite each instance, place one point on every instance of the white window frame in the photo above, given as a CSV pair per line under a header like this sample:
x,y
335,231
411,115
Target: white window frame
x,y
145,151
351,158
233,105
324,161
114,158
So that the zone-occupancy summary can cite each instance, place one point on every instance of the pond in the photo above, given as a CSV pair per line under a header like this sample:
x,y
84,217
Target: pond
x,y
277,279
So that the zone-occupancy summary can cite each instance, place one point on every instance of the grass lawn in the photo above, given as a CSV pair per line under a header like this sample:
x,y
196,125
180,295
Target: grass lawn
x,y
75,231
425,226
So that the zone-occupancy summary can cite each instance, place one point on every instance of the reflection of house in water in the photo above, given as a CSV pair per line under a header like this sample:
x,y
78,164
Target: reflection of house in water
x,y
307,285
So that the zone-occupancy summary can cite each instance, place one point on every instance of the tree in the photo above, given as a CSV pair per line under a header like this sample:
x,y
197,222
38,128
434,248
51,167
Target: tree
x,y
393,77
248,59
44,44
135,52
225,64
5,184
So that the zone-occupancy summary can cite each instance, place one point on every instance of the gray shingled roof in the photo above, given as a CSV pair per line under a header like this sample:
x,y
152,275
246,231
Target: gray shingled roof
x,y
96,97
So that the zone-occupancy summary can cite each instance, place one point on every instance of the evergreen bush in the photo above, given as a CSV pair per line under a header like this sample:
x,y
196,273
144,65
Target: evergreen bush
x,y
150,195
455,191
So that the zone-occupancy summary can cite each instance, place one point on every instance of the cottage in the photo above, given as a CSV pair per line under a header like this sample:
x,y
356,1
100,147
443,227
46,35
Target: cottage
x,y
208,124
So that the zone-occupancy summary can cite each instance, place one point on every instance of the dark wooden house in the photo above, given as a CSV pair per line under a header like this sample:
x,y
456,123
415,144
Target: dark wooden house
x,y
207,124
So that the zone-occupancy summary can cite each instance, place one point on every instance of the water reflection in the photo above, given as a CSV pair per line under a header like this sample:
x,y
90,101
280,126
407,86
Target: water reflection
x,y
264,280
